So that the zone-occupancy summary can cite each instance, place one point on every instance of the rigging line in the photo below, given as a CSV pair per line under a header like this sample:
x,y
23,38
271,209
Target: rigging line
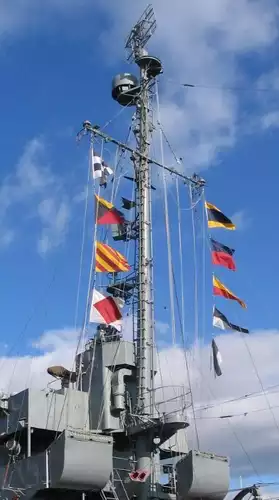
x,y
221,87
114,183
122,155
243,449
178,160
261,384
194,204
204,247
83,241
196,296
83,329
229,421
153,319
82,333
167,224
186,362
123,108
181,259
230,425
238,414
254,394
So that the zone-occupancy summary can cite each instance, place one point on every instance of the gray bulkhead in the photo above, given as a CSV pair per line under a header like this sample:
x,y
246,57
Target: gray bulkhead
x,y
73,439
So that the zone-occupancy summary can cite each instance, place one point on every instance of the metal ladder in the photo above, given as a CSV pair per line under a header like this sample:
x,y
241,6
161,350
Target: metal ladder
x,y
111,493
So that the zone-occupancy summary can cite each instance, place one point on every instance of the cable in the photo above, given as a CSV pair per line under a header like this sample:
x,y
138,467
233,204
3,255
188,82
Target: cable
x,y
240,398
224,88
180,259
187,365
261,384
196,295
167,225
82,241
238,414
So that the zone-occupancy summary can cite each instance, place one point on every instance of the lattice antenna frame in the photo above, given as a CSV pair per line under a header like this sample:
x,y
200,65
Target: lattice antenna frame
x,y
140,34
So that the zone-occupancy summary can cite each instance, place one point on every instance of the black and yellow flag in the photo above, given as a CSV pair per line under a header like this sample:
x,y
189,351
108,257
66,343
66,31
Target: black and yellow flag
x,y
216,218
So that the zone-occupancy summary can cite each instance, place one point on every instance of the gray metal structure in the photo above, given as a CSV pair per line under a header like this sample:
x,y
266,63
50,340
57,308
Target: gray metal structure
x,y
99,435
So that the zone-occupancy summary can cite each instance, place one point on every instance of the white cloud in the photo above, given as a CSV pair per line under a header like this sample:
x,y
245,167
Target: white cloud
x,y
7,236
199,42
34,185
17,16
219,435
241,220
268,103
56,347
54,215
270,120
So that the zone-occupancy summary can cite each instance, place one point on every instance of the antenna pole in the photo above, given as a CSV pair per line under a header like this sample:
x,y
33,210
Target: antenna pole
x,y
145,324
150,67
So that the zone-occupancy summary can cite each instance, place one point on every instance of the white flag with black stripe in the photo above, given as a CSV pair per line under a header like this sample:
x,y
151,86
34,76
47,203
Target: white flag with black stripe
x,y
217,358
220,321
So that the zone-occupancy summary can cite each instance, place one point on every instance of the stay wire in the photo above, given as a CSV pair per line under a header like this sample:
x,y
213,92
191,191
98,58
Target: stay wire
x,y
230,424
222,87
243,414
167,225
196,330
180,258
81,336
196,295
254,394
82,243
186,362
261,383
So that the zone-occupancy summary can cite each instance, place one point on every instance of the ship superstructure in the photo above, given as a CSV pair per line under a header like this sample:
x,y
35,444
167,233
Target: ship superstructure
x,y
100,435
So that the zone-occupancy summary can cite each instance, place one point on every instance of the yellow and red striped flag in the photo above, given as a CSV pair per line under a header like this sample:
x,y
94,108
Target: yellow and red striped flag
x,y
109,260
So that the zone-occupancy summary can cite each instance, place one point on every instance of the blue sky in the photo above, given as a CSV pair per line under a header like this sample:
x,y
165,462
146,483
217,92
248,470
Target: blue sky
x,y
56,71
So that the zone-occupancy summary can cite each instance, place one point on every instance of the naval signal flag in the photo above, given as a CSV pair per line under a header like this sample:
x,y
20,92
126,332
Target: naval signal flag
x,y
216,218
106,213
221,290
222,255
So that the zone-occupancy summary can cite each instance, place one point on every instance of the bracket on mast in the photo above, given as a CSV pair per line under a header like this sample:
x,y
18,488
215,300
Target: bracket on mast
x,y
140,34
88,128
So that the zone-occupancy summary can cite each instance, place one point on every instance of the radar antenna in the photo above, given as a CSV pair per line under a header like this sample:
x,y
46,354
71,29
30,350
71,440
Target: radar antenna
x,y
140,34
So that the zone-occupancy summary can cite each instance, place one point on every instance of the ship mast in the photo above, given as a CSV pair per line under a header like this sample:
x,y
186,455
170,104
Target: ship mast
x,y
143,426
150,67
139,36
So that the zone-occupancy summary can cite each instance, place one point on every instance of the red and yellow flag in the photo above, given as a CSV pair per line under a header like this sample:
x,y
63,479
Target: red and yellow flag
x,y
109,260
223,291
106,213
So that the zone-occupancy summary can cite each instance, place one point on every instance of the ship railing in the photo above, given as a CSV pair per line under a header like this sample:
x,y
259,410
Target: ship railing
x,y
171,399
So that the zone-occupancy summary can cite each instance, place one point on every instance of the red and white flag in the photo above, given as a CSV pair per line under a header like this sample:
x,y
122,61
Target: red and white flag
x,y
105,310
